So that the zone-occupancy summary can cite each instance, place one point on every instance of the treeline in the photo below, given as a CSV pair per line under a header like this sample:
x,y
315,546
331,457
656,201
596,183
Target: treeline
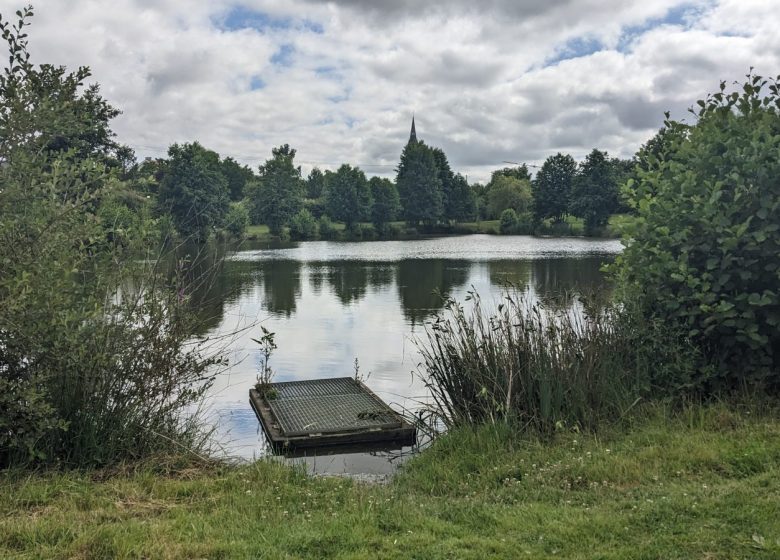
x,y
195,192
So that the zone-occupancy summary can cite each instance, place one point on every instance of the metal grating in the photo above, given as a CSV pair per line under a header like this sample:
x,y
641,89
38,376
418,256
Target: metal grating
x,y
316,388
328,406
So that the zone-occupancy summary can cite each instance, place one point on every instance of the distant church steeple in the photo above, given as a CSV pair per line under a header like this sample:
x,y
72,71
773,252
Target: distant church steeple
x,y
413,134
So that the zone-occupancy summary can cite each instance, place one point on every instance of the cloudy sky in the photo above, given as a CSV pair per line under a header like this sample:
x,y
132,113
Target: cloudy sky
x,y
488,81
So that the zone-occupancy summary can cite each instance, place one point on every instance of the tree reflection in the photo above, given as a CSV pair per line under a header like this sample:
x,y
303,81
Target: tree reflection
x,y
423,285
207,281
556,280
512,274
281,285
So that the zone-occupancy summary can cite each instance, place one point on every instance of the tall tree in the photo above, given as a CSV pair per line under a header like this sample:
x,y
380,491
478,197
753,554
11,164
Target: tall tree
x,y
193,190
462,202
46,111
281,193
594,193
508,192
552,187
315,184
237,176
447,180
387,203
348,197
418,185
520,172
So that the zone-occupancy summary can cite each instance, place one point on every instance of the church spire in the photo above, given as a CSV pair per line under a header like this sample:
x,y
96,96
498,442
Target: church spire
x,y
413,134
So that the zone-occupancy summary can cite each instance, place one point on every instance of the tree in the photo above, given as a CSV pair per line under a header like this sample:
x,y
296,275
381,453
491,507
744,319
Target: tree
x,y
520,172
594,193
552,187
387,203
348,197
193,190
47,112
703,253
463,205
447,180
419,186
237,176
281,195
508,192
315,184
97,361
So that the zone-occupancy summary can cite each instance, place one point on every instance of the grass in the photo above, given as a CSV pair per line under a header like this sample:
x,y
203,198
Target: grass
x,y
261,232
701,483
541,366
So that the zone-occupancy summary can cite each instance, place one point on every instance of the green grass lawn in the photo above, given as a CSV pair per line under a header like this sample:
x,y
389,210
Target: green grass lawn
x,y
700,484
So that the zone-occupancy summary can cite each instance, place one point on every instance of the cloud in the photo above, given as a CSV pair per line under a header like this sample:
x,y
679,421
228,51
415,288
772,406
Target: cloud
x,y
339,80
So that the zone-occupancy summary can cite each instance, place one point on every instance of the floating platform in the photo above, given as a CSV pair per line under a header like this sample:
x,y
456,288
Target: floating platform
x,y
327,412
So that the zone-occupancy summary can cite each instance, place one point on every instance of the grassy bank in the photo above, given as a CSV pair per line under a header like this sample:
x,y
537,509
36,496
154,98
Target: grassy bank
x,y
571,227
704,483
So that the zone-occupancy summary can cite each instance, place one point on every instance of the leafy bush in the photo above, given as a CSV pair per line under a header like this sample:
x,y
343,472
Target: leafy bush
x,y
237,219
97,364
303,226
508,222
327,229
703,252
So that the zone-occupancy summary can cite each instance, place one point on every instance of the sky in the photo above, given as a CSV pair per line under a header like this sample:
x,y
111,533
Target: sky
x,y
489,82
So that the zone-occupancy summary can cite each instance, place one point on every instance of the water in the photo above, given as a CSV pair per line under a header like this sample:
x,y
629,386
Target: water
x,y
331,302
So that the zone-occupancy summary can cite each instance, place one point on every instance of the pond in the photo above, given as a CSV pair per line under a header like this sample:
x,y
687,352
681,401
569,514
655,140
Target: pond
x,y
331,303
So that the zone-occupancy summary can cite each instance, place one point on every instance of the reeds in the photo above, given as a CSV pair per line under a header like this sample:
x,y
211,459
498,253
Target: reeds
x,y
538,368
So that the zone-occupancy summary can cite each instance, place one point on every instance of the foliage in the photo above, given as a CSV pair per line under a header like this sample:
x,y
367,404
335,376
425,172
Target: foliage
x,y
253,200
348,196
315,205
447,182
552,186
462,205
419,186
237,176
520,172
315,184
193,190
267,345
594,192
326,228
96,362
508,222
121,223
508,192
387,203
303,226
237,219
46,111
281,194
703,252
540,369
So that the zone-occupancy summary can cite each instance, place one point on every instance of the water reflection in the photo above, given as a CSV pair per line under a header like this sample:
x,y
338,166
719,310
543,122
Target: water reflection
x,y
330,303
423,285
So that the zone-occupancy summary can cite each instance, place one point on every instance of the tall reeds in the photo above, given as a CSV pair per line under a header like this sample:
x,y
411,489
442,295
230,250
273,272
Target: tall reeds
x,y
539,368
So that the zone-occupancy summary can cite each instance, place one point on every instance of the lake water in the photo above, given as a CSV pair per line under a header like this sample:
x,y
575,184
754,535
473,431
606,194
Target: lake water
x,y
332,302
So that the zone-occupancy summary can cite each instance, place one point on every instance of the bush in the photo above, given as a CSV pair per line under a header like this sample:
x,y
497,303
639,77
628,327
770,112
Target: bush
x,y
237,219
703,252
97,361
327,229
508,222
303,226
316,206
